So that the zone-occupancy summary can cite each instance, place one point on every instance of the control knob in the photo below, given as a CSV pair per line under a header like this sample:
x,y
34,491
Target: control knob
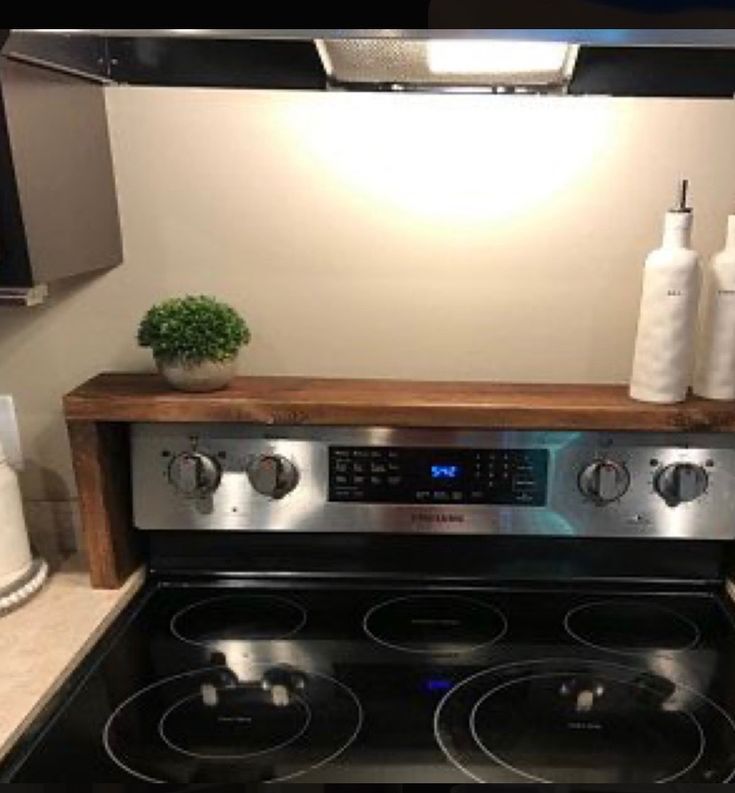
x,y
679,483
194,474
604,481
273,475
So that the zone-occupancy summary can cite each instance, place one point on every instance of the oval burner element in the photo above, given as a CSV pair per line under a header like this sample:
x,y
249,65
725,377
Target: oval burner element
x,y
572,721
192,727
629,627
621,725
241,722
238,618
435,624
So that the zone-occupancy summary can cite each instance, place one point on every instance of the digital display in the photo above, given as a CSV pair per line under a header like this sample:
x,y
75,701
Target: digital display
x,y
444,471
438,476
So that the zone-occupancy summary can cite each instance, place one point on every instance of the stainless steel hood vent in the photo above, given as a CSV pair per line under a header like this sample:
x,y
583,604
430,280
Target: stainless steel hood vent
x,y
618,62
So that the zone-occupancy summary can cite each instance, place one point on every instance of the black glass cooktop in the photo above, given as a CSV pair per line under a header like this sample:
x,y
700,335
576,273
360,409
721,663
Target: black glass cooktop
x,y
237,684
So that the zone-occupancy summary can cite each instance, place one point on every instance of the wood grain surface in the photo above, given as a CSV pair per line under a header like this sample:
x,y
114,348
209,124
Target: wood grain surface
x,y
395,403
100,454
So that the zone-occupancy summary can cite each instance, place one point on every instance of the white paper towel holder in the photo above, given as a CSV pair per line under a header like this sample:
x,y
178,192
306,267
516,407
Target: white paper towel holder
x,y
21,575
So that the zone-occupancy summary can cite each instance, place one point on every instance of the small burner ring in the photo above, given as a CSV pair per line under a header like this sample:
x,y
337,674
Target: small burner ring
x,y
163,732
663,623
287,618
440,631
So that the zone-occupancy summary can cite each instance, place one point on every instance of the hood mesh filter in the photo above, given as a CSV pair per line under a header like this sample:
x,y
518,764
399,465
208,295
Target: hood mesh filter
x,y
406,63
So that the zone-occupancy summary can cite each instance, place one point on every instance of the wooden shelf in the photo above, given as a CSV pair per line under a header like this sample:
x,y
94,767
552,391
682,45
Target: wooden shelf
x,y
396,403
99,411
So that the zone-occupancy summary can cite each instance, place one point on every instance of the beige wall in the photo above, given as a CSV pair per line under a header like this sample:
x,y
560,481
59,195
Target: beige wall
x,y
447,237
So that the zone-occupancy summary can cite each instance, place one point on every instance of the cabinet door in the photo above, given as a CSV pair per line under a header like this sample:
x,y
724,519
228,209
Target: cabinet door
x,y
15,270
61,172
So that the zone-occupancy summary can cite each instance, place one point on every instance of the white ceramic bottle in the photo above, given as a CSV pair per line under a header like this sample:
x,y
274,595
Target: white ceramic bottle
x,y
715,371
664,346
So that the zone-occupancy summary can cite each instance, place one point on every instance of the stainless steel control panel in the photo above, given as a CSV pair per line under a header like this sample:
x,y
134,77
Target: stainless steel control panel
x,y
342,479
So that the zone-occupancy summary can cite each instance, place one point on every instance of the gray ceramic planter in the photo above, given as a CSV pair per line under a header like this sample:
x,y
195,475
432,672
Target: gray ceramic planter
x,y
203,376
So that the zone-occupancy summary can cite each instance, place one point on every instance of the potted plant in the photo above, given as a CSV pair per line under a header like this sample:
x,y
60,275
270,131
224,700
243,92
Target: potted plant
x,y
195,341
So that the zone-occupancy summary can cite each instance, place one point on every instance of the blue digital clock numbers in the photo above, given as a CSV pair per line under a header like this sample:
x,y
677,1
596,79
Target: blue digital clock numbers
x,y
444,471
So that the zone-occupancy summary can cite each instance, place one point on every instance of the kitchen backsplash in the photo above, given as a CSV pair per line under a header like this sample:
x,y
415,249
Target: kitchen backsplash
x,y
422,236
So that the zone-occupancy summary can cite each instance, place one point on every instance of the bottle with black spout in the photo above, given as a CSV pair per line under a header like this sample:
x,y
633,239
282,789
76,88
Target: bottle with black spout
x,y
664,345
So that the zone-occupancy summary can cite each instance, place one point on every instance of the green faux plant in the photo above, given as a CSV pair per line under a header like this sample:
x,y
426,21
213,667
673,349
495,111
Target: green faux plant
x,y
193,329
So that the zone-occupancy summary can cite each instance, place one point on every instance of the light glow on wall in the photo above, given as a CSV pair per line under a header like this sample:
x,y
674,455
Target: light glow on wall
x,y
452,159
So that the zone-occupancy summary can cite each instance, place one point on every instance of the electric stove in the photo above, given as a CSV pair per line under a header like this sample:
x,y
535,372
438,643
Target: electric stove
x,y
511,608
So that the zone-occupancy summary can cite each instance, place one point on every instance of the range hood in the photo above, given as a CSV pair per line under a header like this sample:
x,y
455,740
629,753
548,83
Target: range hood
x,y
623,62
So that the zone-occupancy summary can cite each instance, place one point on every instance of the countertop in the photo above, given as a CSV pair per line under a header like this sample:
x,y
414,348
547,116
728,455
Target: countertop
x,y
42,641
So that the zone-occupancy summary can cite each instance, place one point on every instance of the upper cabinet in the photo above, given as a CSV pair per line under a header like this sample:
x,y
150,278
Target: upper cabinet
x,y
58,207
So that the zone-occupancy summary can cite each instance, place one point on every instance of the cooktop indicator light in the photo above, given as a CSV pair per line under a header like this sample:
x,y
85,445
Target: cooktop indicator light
x,y
434,684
